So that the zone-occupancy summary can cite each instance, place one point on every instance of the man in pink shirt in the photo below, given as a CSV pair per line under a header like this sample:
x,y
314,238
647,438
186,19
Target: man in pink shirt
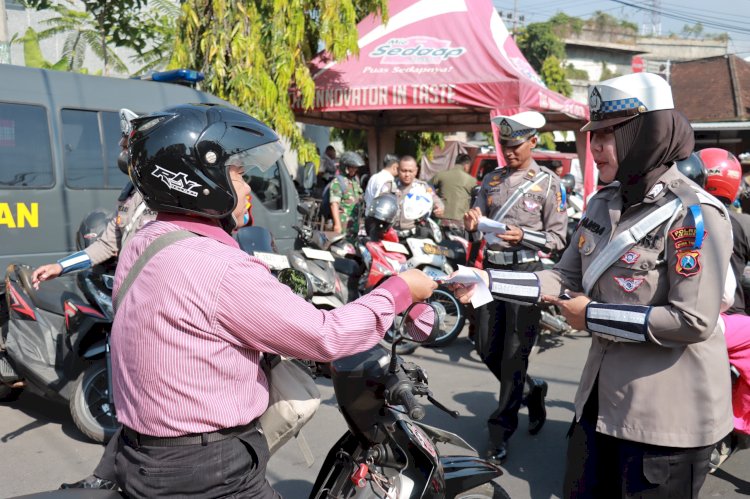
x,y
188,334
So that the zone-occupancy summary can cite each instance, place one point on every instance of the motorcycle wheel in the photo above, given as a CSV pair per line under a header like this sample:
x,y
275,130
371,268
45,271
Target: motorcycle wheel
x,y
451,315
489,490
89,405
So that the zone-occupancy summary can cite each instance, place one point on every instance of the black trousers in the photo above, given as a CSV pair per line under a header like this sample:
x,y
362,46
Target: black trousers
x,y
600,466
231,468
506,332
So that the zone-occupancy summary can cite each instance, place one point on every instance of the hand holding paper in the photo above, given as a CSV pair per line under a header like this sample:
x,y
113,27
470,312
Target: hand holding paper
x,y
489,226
469,282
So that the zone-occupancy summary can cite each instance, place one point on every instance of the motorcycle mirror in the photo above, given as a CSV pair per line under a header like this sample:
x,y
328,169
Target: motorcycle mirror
x,y
303,209
420,323
297,281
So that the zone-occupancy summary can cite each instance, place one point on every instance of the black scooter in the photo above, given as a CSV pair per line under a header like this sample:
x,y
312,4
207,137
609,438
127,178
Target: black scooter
x,y
57,345
387,452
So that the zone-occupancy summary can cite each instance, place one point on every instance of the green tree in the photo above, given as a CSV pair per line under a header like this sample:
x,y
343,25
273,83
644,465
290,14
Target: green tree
x,y
554,76
83,34
120,22
538,41
253,51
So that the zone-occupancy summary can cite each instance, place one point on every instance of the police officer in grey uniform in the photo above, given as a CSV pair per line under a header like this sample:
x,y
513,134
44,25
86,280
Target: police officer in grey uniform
x,y
528,199
646,273
406,183
132,214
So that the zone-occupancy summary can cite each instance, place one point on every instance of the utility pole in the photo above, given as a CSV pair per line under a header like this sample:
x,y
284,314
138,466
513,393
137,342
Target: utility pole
x,y
515,19
4,41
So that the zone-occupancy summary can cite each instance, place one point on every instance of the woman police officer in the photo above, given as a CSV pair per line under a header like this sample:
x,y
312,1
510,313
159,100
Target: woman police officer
x,y
645,272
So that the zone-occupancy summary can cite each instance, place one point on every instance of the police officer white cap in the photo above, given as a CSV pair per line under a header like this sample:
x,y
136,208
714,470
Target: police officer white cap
x,y
518,128
620,99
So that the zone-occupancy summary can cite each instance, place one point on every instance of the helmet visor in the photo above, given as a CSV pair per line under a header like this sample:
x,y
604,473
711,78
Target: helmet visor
x,y
261,157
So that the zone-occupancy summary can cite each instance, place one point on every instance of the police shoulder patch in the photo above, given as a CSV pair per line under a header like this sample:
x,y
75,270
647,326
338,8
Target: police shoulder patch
x,y
688,263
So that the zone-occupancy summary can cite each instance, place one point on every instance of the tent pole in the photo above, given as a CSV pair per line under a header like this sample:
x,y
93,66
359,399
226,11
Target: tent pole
x,y
372,149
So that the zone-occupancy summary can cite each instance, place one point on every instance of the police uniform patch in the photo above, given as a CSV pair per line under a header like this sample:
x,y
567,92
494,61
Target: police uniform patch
x,y
581,241
655,190
530,205
536,188
530,174
629,284
119,220
630,257
688,263
684,237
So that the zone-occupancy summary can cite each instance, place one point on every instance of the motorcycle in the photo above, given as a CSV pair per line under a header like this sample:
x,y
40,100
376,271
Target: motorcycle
x,y
387,452
318,264
431,253
57,345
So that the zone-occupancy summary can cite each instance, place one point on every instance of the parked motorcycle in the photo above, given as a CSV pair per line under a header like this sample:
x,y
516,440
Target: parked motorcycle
x,y
387,452
57,345
318,264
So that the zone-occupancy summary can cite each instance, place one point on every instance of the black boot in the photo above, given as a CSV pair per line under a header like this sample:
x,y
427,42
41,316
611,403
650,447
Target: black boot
x,y
535,403
91,482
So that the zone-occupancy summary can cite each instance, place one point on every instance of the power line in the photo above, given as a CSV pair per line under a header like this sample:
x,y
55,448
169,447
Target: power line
x,y
686,18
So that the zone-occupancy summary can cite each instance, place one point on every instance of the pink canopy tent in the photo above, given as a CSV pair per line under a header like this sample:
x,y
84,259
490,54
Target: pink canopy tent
x,y
437,65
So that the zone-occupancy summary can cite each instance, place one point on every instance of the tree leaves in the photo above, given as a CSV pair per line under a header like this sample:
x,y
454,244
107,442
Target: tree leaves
x,y
253,51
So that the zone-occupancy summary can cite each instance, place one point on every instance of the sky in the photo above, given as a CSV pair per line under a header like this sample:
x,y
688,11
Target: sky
x,y
730,16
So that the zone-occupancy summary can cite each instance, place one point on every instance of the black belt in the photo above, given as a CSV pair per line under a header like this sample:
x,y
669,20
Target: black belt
x,y
135,439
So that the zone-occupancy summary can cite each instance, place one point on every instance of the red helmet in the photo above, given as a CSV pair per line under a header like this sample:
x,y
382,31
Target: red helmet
x,y
724,173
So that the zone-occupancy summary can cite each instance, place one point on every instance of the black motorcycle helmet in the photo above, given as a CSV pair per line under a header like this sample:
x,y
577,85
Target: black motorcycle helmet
x,y
568,181
179,158
351,158
380,216
693,168
91,228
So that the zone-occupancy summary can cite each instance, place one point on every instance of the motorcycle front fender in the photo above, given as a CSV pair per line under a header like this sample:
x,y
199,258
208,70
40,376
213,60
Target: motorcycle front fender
x,y
443,436
463,473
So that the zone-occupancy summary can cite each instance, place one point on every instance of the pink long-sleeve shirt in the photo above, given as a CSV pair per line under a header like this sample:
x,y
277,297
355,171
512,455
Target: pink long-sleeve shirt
x,y
187,337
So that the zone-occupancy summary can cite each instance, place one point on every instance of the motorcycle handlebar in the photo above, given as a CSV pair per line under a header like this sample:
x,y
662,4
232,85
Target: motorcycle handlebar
x,y
407,399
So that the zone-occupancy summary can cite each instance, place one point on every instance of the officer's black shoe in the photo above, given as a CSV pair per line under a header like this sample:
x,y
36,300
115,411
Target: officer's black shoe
x,y
535,403
91,482
498,454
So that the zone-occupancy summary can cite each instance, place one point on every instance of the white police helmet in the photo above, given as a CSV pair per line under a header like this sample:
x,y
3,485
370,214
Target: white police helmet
x,y
620,99
518,128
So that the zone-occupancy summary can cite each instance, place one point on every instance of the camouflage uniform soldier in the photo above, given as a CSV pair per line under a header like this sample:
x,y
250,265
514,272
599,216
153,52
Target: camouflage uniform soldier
x,y
527,198
345,199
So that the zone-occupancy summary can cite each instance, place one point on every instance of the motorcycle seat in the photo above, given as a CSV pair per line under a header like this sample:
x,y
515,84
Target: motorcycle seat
x,y
51,295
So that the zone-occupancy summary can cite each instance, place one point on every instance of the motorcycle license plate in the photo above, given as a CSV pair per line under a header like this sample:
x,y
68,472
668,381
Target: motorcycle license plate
x,y
431,249
274,261
318,254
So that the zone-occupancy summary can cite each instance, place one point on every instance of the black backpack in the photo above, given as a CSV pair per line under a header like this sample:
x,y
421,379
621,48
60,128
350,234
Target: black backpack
x,y
325,204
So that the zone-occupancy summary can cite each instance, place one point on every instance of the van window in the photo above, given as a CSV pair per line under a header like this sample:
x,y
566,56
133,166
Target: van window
x,y
90,149
266,187
25,152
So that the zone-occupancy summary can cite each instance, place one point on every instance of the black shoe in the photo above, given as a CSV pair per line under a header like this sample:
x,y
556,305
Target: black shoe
x,y
498,454
91,482
535,403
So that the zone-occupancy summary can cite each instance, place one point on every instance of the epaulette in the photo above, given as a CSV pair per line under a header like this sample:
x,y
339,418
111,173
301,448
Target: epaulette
x,y
126,192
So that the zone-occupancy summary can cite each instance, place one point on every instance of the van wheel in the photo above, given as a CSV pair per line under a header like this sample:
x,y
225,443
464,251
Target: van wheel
x,y
9,394
4,319
90,407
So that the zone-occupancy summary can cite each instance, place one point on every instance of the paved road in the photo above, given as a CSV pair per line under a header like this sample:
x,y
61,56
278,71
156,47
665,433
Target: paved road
x,y
40,446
